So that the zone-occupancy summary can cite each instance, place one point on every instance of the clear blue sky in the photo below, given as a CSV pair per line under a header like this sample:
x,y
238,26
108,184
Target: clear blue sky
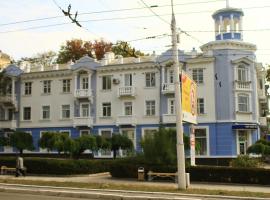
x,y
191,15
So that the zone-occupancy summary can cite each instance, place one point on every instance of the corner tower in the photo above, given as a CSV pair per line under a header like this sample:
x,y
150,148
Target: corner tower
x,y
228,23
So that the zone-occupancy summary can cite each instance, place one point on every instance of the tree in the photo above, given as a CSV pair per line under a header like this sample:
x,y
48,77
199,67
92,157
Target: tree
x,y
22,141
124,49
103,143
77,48
120,142
268,73
260,147
5,83
160,148
45,59
47,141
62,142
85,142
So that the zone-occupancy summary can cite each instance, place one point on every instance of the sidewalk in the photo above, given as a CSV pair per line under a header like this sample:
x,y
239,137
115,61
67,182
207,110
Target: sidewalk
x,y
106,178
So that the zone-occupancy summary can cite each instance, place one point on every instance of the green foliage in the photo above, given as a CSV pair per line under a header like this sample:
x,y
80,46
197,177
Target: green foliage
x,y
119,141
51,166
260,147
21,141
5,83
160,148
3,141
45,59
79,145
245,161
103,143
124,49
47,141
62,142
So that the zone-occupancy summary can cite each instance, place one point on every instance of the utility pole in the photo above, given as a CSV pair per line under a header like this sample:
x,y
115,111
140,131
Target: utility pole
x,y
181,174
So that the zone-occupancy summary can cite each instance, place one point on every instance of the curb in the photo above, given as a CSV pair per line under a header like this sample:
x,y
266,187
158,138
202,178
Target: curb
x,y
99,193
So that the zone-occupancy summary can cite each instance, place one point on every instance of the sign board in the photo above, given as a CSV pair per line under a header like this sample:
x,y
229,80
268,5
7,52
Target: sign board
x,y
189,99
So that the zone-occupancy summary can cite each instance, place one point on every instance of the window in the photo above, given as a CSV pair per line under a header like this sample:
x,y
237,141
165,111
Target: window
x,y
200,106
28,88
150,79
85,83
149,132
128,79
66,85
27,113
66,132
106,109
65,111
243,103
242,72
201,142
46,87
45,112
106,82
84,132
171,76
150,108
84,110
197,75
243,141
171,107
130,134
128,108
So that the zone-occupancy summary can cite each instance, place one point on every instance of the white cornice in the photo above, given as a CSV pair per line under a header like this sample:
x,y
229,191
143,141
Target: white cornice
x,y
132,66
228,44
200,60
46,74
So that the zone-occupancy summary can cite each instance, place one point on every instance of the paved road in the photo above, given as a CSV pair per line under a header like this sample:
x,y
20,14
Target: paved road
x,y
18,196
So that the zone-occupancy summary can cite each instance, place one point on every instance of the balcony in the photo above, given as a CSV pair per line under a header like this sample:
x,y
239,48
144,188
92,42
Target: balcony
x,y
168,119
243,85
126,120
126,91
263,121
8,100
83,121
167,88
10,124
83,93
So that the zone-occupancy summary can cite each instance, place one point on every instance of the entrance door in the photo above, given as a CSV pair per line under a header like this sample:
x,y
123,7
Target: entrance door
x,y
243,141
130,134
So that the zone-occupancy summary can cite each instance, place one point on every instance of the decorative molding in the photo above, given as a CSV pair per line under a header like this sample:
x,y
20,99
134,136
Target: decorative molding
x,y
122,67
46,74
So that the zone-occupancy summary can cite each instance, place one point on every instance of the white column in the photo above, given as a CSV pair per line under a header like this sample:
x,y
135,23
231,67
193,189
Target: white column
x,y
221,27
13,91
75,83
162,75
241,27
89,84
216,28
232,26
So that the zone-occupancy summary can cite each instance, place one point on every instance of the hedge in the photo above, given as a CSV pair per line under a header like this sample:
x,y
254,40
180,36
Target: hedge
x,y
59,166
128,168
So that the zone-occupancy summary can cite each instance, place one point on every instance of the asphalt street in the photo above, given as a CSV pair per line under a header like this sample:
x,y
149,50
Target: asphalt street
x,y
19,196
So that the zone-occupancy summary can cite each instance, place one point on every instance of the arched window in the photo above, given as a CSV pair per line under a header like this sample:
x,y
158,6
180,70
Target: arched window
x,y
242,73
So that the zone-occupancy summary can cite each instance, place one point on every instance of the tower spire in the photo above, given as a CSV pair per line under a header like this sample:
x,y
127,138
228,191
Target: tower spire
x,y
227,4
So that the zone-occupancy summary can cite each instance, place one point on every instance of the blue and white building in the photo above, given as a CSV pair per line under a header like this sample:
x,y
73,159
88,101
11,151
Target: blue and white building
x,y
134,96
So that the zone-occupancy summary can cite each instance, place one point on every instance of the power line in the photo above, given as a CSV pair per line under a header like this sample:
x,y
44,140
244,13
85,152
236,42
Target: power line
x,y
103,11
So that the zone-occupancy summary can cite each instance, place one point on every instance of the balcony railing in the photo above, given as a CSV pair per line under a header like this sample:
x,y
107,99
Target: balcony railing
x,y
167,88
168,118
8,100
263,121
83,93
242,85
126,91
9,124
126,120
83,121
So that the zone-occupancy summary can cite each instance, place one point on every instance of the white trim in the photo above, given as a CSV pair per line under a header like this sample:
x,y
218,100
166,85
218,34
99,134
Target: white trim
x,y
168,106
41,113
150,128
145,111
61,111
81,114
249,139
69,132
132,108
88,130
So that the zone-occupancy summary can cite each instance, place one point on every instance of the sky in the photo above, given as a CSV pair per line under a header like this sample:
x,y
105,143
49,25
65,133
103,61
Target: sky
x,y
128,20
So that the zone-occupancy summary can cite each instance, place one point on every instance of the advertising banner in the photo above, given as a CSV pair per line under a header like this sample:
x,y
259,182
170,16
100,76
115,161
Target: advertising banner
x,y
189,99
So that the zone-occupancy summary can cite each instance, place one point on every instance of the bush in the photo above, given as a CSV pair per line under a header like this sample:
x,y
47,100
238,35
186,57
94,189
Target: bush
x,y
59,166
245,161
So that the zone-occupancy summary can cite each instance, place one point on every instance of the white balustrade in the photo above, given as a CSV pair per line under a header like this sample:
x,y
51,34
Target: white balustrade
x,y
126,91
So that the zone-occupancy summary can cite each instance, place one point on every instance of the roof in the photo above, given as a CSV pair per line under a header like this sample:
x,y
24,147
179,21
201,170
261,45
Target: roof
x,y
86,62
13,70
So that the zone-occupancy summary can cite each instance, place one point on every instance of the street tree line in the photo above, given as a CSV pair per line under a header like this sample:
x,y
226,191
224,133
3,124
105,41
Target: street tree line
x,y
62,143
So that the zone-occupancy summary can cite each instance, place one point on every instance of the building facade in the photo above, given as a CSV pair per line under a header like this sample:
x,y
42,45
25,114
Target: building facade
x,y
134,96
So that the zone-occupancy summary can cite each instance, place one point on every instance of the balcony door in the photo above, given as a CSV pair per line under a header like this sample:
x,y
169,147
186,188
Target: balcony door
x,y
128,79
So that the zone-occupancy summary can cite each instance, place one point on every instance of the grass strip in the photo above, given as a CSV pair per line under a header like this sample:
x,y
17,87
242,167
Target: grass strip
x,y
136,187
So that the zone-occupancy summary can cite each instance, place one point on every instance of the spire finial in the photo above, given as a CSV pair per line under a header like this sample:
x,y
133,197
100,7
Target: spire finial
x,y
227,4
